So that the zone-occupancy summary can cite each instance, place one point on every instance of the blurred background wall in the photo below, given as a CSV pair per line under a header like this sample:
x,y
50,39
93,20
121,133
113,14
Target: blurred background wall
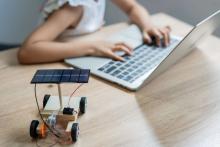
x,y
19,17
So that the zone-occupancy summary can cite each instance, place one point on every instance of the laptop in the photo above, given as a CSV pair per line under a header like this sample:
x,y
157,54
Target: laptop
x,y
147,62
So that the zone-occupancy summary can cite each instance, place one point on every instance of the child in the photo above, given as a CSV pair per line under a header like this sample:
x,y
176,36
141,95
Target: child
x,y
77,17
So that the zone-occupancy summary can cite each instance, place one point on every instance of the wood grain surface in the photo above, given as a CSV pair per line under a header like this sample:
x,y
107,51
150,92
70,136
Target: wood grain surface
x,y
180,108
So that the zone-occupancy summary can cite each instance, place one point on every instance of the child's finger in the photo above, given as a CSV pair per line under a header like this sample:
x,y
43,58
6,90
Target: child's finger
x,y
114,56
122,48
168,32
147,38
165,37
158,36
168,28
125,45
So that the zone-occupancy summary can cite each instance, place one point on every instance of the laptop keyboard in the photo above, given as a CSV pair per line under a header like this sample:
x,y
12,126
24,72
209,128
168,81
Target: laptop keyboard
x,y
143,59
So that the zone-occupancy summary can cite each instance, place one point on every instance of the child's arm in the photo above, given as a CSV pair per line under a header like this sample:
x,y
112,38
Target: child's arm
x,y
41,47
139,15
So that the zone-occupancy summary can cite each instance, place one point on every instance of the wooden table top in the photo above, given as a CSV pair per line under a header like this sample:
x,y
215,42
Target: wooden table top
x,y
180,108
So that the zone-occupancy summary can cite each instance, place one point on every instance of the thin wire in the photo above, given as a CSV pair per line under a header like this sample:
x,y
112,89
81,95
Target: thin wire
x,y
35,92
51,130
73,93
51,145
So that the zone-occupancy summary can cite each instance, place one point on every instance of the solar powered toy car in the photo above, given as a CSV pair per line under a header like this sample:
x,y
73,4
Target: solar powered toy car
x,y
59,107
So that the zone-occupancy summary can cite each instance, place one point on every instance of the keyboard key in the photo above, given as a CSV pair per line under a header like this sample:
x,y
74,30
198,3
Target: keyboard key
x,y
110,69
127,57
134,74
122,68
140,64
111,62
130,70
131,62
137,73
119,64
106,66
101,69
128,78
135,66
125,73
140,70
127,65
116,72
120,76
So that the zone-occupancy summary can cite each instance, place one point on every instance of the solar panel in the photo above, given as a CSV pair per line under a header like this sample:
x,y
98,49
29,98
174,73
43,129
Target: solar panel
x,y
61,76
83,76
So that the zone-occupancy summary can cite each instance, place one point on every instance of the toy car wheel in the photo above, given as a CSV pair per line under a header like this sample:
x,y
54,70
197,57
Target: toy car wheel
x,y
33,129
83,105
46,98
75,132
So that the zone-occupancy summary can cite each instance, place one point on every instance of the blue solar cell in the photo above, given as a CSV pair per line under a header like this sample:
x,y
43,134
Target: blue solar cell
x,y
39,76
84,76
47,76
76,71
49,72
83,79
57,74
67,72
55,79
37,79
40,72
66,76
75,76
85,71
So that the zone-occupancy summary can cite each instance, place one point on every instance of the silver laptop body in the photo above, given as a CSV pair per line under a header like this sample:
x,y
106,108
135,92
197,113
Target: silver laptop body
x,y
147,62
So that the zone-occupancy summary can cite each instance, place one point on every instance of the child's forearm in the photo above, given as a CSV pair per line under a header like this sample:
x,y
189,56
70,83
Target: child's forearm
x,y
41,52
137,13
140,16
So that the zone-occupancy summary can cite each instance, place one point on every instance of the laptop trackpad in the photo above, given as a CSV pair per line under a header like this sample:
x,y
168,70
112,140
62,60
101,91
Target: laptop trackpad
x,y
88,62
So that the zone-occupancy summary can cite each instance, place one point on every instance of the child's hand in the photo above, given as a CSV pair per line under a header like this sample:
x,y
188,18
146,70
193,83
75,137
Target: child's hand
x,y
160,34
108,49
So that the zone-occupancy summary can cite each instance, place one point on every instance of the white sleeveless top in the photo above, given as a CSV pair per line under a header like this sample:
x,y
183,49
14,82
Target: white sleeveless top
x,y
92,19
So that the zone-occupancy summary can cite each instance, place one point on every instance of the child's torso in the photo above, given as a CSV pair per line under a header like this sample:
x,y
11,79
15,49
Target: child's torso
x,y
92,19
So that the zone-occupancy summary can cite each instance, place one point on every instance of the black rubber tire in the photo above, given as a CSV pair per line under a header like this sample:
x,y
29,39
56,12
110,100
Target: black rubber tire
x,y
83,105
33,129
75,132
46,98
